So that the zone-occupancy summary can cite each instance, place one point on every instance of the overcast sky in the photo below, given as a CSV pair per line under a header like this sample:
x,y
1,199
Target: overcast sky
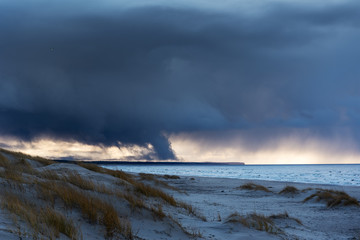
x,y
158,75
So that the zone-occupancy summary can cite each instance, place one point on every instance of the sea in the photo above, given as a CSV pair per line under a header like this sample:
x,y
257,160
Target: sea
x,y
335,174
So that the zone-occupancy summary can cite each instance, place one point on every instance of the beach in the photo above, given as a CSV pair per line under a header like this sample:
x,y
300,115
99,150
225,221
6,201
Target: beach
x,y
148,206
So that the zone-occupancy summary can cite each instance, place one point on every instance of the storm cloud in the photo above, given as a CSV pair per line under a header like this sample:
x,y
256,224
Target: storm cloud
x,y
111,74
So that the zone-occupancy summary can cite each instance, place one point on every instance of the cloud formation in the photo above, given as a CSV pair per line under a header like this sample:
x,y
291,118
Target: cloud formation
x,y
134,74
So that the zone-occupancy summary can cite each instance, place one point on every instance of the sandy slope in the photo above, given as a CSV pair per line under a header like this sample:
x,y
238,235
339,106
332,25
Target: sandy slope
x,y
218,196
213,198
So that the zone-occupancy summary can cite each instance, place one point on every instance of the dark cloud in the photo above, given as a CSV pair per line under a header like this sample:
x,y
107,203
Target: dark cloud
x,y
134,75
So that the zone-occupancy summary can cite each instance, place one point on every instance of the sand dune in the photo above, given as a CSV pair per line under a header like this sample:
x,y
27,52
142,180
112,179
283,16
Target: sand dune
x,y
42,199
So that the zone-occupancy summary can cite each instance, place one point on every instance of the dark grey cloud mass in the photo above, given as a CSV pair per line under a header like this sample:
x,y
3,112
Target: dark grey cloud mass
x,y
134,75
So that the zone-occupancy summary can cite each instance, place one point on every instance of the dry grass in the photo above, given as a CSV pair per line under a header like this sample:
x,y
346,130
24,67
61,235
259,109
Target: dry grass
x,y
193,233
19,155
48,174
134,201
13,171
92,208
253,186
115,173
44,221
72,191
256,221
284,215
191,210
152,177
149,191
113,224
333,198
171,176
11,174
76,179
4,162
289,190
58,222
157,212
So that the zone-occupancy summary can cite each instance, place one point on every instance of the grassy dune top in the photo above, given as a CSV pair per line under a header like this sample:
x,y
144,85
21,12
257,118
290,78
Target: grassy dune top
x,y
44,197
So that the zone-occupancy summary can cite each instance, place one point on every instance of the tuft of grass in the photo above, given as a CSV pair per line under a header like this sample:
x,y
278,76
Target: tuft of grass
x,y
115,173
171,176
19,155
333,198
48,174
289,190
253,186
113,224
91,167
4,162
77,180
152,177
157,212
92,208
58,223
133,200
149,191
192,210
219,217
284,215
193,233
44,221
11,174
254,220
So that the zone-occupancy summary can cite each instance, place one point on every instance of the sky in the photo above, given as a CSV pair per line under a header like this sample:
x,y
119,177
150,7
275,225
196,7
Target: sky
x,y
271,81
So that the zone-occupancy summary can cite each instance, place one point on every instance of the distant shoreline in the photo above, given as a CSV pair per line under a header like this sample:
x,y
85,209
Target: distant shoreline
x,y
151,163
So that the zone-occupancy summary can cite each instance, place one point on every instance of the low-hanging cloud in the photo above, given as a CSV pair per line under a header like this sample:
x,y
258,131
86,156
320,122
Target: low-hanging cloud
x,y
133,75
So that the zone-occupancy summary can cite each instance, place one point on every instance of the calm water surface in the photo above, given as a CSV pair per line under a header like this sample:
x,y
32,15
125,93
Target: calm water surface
x,y
339,174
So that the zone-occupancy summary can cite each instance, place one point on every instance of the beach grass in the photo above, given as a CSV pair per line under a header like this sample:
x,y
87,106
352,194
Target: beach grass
x,y
255,221
289,190
254,187
333,198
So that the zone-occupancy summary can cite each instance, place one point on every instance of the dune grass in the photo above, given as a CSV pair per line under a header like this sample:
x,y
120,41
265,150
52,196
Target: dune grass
x,y
255,221
19,155
44,221
333,198
254,187
284,215
76,179
94,209
153,178
73,192
170,176
289,190
4,162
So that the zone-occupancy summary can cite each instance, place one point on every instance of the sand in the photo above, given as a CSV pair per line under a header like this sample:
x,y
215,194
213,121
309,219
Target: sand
x,y
220,196
215,199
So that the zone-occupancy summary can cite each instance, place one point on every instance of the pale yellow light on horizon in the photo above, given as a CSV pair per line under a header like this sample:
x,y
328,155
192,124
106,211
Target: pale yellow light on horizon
x,y
56,149
282,151
290,150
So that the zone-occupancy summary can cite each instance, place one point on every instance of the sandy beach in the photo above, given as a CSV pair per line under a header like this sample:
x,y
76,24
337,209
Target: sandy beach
x,y
146,206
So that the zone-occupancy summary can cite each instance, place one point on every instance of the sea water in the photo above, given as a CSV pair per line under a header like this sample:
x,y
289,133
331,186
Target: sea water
x,y
338,174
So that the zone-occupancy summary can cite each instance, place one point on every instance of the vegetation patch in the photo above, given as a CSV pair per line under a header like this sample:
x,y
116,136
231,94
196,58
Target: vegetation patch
x,y
45,221
19,155
333,198
254,187
255,221
4,162
152,177
289,190
171,176
284,215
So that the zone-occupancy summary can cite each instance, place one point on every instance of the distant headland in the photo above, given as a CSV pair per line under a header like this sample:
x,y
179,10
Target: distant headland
x,y
106,162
